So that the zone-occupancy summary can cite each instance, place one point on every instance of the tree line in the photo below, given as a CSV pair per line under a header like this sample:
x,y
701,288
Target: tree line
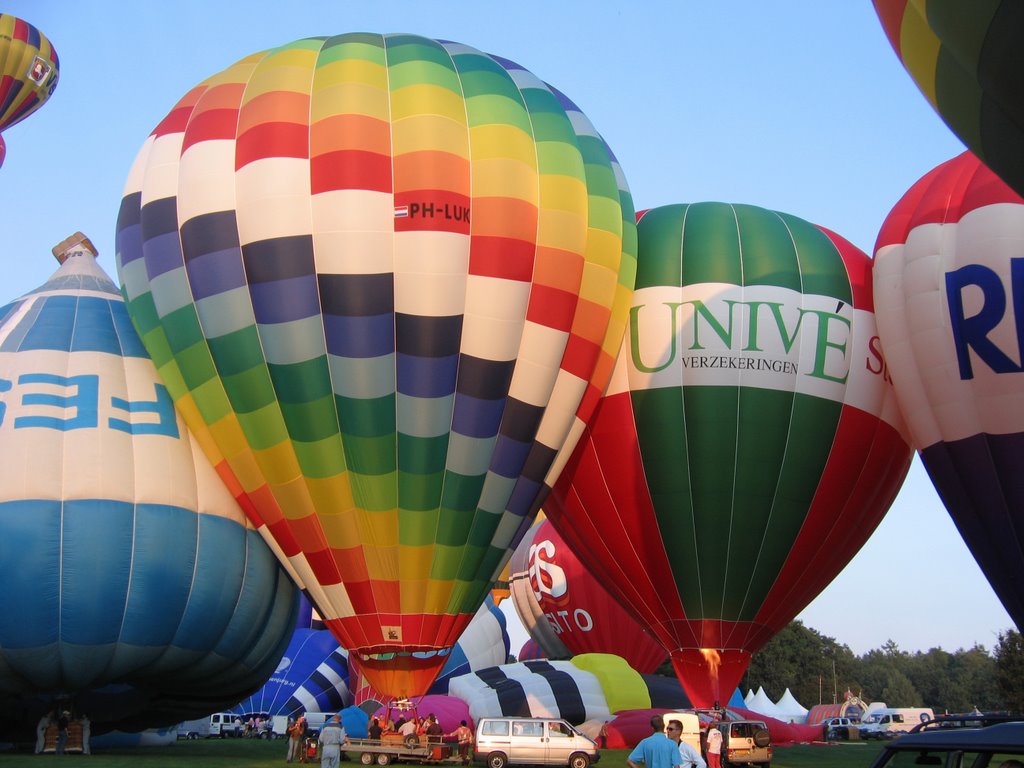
x,y
817,669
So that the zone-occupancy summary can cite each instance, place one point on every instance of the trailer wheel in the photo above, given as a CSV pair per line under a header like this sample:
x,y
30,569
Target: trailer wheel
x,y
411,741
496,760
366,758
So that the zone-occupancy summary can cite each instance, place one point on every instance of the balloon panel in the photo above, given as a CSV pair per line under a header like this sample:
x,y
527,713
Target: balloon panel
x,y
385,385
29,69
947,274
748,443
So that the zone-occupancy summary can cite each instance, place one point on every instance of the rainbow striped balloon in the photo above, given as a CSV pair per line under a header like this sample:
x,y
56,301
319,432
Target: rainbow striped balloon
x,y
384,279
29,69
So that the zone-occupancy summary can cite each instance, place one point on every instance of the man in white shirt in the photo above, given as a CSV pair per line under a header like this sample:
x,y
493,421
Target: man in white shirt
x,y
691,757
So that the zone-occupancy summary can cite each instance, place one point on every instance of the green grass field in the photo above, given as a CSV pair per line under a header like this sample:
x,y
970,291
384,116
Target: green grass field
x,y
243,753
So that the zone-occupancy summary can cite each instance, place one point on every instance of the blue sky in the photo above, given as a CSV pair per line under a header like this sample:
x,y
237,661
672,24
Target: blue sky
x,y
798,105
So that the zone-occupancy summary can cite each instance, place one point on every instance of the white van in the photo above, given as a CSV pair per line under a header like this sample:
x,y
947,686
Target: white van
x,y
891,721
223,724
501,741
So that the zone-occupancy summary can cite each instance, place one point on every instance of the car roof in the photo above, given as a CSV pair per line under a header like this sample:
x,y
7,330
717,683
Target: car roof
x,y
1004,737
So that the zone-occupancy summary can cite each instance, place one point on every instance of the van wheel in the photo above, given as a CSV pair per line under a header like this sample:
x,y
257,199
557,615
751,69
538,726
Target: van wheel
x,y
366,758
496,760
383,758
762,739
578,760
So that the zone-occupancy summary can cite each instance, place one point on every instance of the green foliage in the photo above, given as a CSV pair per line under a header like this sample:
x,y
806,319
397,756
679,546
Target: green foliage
x,y
801,659
1009,654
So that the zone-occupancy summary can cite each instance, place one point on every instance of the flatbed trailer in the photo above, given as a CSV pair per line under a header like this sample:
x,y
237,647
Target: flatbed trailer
x,y
389,750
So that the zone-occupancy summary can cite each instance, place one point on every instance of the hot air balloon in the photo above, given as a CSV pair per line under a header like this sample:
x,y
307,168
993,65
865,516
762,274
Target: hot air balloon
x,y
949,284
384,279
568,611
134,584
311,677
748,443
966,59
28,70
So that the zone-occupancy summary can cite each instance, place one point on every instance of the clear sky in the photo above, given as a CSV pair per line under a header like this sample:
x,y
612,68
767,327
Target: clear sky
x,y
796,105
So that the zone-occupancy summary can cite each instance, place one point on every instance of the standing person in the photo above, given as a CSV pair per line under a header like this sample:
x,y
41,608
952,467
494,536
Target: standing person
x,y
300,728
465,738
62,731
689,756
294,740
602,737
714,747
41,726
86,733
434,730
332,735
374,730
657,750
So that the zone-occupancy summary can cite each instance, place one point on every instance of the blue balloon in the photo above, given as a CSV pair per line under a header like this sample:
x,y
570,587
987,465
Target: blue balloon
x,y
134,588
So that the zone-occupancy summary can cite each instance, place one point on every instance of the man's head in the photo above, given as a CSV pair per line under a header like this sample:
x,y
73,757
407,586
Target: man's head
x,y
657,723
674,730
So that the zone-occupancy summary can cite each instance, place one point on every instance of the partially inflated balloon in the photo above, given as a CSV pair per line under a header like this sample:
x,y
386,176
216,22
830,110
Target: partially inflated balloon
x,y
384,279
567,610
748,443
133,582
28,70
949,283
968,60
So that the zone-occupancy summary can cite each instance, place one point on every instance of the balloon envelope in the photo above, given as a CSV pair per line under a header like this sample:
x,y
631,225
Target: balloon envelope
x,y
967,60
384,278
748,443
949,279
557,597
28,70
134,582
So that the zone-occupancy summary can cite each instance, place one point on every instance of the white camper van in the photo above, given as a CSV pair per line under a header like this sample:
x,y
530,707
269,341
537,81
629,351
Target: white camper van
x,y
892,721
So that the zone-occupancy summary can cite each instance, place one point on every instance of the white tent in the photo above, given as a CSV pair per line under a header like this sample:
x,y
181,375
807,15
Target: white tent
x,y
748,698
790,708
763,705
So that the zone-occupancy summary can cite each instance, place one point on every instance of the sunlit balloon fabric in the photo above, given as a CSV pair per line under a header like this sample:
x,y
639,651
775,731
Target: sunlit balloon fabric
x,y
567,610
384,278
132,580
748,443
968,60
28,70
949,284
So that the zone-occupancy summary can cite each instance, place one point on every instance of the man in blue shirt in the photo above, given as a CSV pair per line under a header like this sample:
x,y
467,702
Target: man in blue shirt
x,y
657,750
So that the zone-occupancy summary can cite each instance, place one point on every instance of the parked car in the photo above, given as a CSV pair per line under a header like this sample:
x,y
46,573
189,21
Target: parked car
x,y
967,720
745,742
501,741
839,729
955,747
